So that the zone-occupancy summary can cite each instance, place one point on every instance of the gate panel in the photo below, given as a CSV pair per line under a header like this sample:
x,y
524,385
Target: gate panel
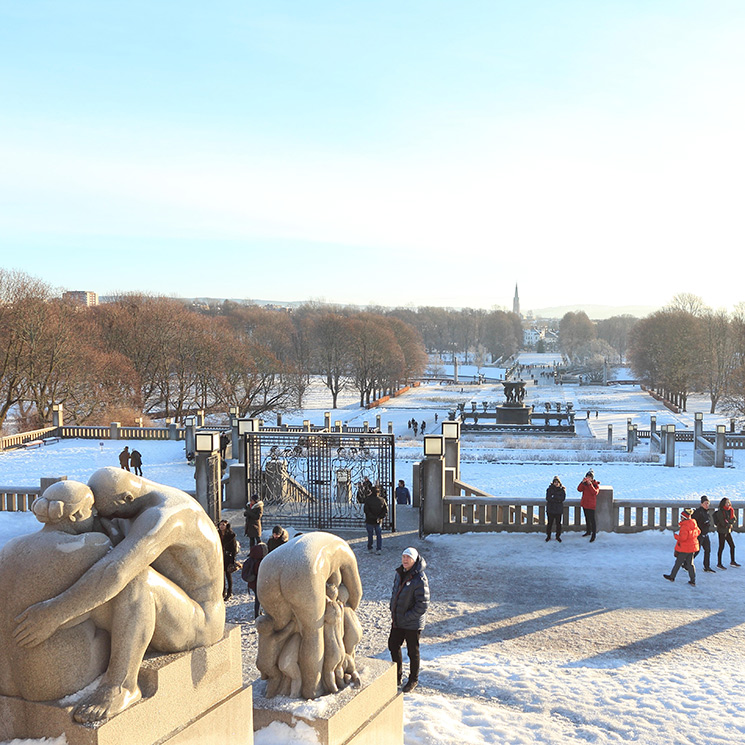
x,y
310,479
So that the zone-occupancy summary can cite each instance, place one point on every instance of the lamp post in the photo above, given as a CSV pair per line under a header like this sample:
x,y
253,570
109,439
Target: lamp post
x,y
208,474
451,436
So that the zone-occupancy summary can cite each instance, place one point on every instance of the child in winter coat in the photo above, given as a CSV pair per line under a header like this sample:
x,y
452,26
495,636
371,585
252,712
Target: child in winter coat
x,y
685,547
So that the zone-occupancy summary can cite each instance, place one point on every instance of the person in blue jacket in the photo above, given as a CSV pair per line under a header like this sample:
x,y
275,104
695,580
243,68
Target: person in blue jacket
x,y
409,603
403,495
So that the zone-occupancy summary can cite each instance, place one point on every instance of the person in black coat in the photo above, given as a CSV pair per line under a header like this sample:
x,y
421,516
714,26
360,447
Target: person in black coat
x,y
229,543
135,460
555,496
253,513
376,508
409,603
703,520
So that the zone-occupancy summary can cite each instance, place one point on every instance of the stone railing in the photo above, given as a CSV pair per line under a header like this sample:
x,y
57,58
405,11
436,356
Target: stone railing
x,y
475,511
26,438
18,498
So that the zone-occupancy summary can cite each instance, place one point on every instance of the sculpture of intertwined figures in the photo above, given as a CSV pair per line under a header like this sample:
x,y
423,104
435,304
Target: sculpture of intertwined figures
x,y
121,566
309,589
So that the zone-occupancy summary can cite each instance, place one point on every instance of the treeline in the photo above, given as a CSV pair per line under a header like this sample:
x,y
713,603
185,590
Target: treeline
x,y
159,357
685,347
474,335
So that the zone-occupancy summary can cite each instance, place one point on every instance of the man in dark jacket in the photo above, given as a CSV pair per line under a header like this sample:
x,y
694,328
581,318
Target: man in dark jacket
x,y
703,520
403,495
376,508
555,496
253,514
409,603
279,537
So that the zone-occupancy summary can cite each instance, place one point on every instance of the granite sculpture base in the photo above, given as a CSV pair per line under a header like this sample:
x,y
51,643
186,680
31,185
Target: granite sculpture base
x,y
189,698
513,414
370,715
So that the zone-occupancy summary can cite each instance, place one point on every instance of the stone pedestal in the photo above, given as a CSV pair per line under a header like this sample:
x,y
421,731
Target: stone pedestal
x,y
190,698
370,715
513,414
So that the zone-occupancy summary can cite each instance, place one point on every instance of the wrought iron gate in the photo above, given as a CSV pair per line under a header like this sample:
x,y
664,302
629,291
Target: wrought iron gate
x,y
311,479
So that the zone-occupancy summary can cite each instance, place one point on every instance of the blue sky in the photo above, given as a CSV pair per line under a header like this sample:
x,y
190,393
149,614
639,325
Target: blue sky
x,y
394,153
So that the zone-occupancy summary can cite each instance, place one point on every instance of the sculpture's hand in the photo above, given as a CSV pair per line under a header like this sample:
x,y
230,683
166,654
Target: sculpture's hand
x,y
36,624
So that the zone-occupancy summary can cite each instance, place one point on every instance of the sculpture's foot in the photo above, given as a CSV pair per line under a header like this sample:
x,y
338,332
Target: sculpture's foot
x,y
106,701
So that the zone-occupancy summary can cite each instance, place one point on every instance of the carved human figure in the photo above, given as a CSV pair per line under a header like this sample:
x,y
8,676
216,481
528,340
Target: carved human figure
x,y
36,567
166,574
310,589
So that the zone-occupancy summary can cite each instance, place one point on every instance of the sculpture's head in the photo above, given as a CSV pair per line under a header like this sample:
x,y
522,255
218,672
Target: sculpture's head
x,y
115,491
66,506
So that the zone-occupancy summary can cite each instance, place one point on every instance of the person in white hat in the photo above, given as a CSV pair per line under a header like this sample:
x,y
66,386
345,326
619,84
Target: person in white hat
x,y
409,603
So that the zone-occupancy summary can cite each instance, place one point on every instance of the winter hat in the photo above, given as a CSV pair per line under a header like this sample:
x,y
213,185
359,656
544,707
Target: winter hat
x,y
412,552
704,499
687,512
591,474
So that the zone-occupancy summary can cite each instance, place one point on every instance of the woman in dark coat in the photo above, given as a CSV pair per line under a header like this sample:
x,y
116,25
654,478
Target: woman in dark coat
x,y
409,603
250,571
229,552
725,520
555,496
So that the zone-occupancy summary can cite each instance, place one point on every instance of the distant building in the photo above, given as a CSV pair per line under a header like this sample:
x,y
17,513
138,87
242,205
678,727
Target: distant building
x,y
532,336
81,297
516,303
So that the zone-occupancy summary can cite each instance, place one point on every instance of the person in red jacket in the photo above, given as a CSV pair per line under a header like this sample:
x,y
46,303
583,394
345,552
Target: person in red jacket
x,y
589,487
686,546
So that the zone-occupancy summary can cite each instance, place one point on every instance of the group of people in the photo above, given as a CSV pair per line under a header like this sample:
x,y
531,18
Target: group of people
x,y
556,493
693,538
134,459
409,597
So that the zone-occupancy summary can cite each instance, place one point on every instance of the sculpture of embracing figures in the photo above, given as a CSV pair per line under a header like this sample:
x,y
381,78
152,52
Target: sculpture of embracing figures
x,y
310,590
80,602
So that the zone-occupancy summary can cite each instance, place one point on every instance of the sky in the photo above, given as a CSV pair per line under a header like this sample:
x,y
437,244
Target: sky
x,y
419,153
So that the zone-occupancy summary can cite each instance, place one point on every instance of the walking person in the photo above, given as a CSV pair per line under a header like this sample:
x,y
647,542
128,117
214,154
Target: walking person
x,y
409,603
376,508
686,546
135,460
253,514
250,571
124,457
589,487
725,520
229,542
703,520
403,495
556,493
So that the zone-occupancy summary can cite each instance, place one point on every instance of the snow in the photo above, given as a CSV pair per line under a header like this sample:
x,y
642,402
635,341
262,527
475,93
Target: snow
x,y
527,642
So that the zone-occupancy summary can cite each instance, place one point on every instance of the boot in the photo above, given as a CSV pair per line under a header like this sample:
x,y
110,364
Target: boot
x,y
411,684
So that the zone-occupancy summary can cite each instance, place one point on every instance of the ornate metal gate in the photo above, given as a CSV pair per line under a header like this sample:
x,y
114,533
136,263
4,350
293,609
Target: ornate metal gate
x,y
311,479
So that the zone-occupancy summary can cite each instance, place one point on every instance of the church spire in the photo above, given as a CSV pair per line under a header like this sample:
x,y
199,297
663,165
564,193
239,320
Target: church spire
x,y
516,302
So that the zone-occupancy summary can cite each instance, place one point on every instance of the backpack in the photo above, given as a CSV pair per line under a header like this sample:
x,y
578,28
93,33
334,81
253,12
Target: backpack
x,y
247,573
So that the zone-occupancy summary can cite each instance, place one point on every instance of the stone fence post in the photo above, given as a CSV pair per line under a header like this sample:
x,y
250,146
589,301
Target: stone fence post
x,y
604,509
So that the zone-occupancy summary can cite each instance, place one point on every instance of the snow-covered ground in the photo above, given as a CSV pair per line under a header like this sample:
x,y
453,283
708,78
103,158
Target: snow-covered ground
x,y
527,641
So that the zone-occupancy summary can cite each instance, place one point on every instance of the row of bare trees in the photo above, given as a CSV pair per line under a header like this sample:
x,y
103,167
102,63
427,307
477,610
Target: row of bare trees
x,y
687,347
159,357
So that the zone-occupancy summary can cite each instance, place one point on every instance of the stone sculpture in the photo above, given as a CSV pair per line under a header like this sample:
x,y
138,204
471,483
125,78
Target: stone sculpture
x,y
310,590
37,567
159,586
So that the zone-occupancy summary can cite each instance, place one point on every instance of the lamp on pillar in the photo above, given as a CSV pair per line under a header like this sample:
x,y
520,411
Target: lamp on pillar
x,y
247,425
206,441
451,439
434,446
451,430
208,475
